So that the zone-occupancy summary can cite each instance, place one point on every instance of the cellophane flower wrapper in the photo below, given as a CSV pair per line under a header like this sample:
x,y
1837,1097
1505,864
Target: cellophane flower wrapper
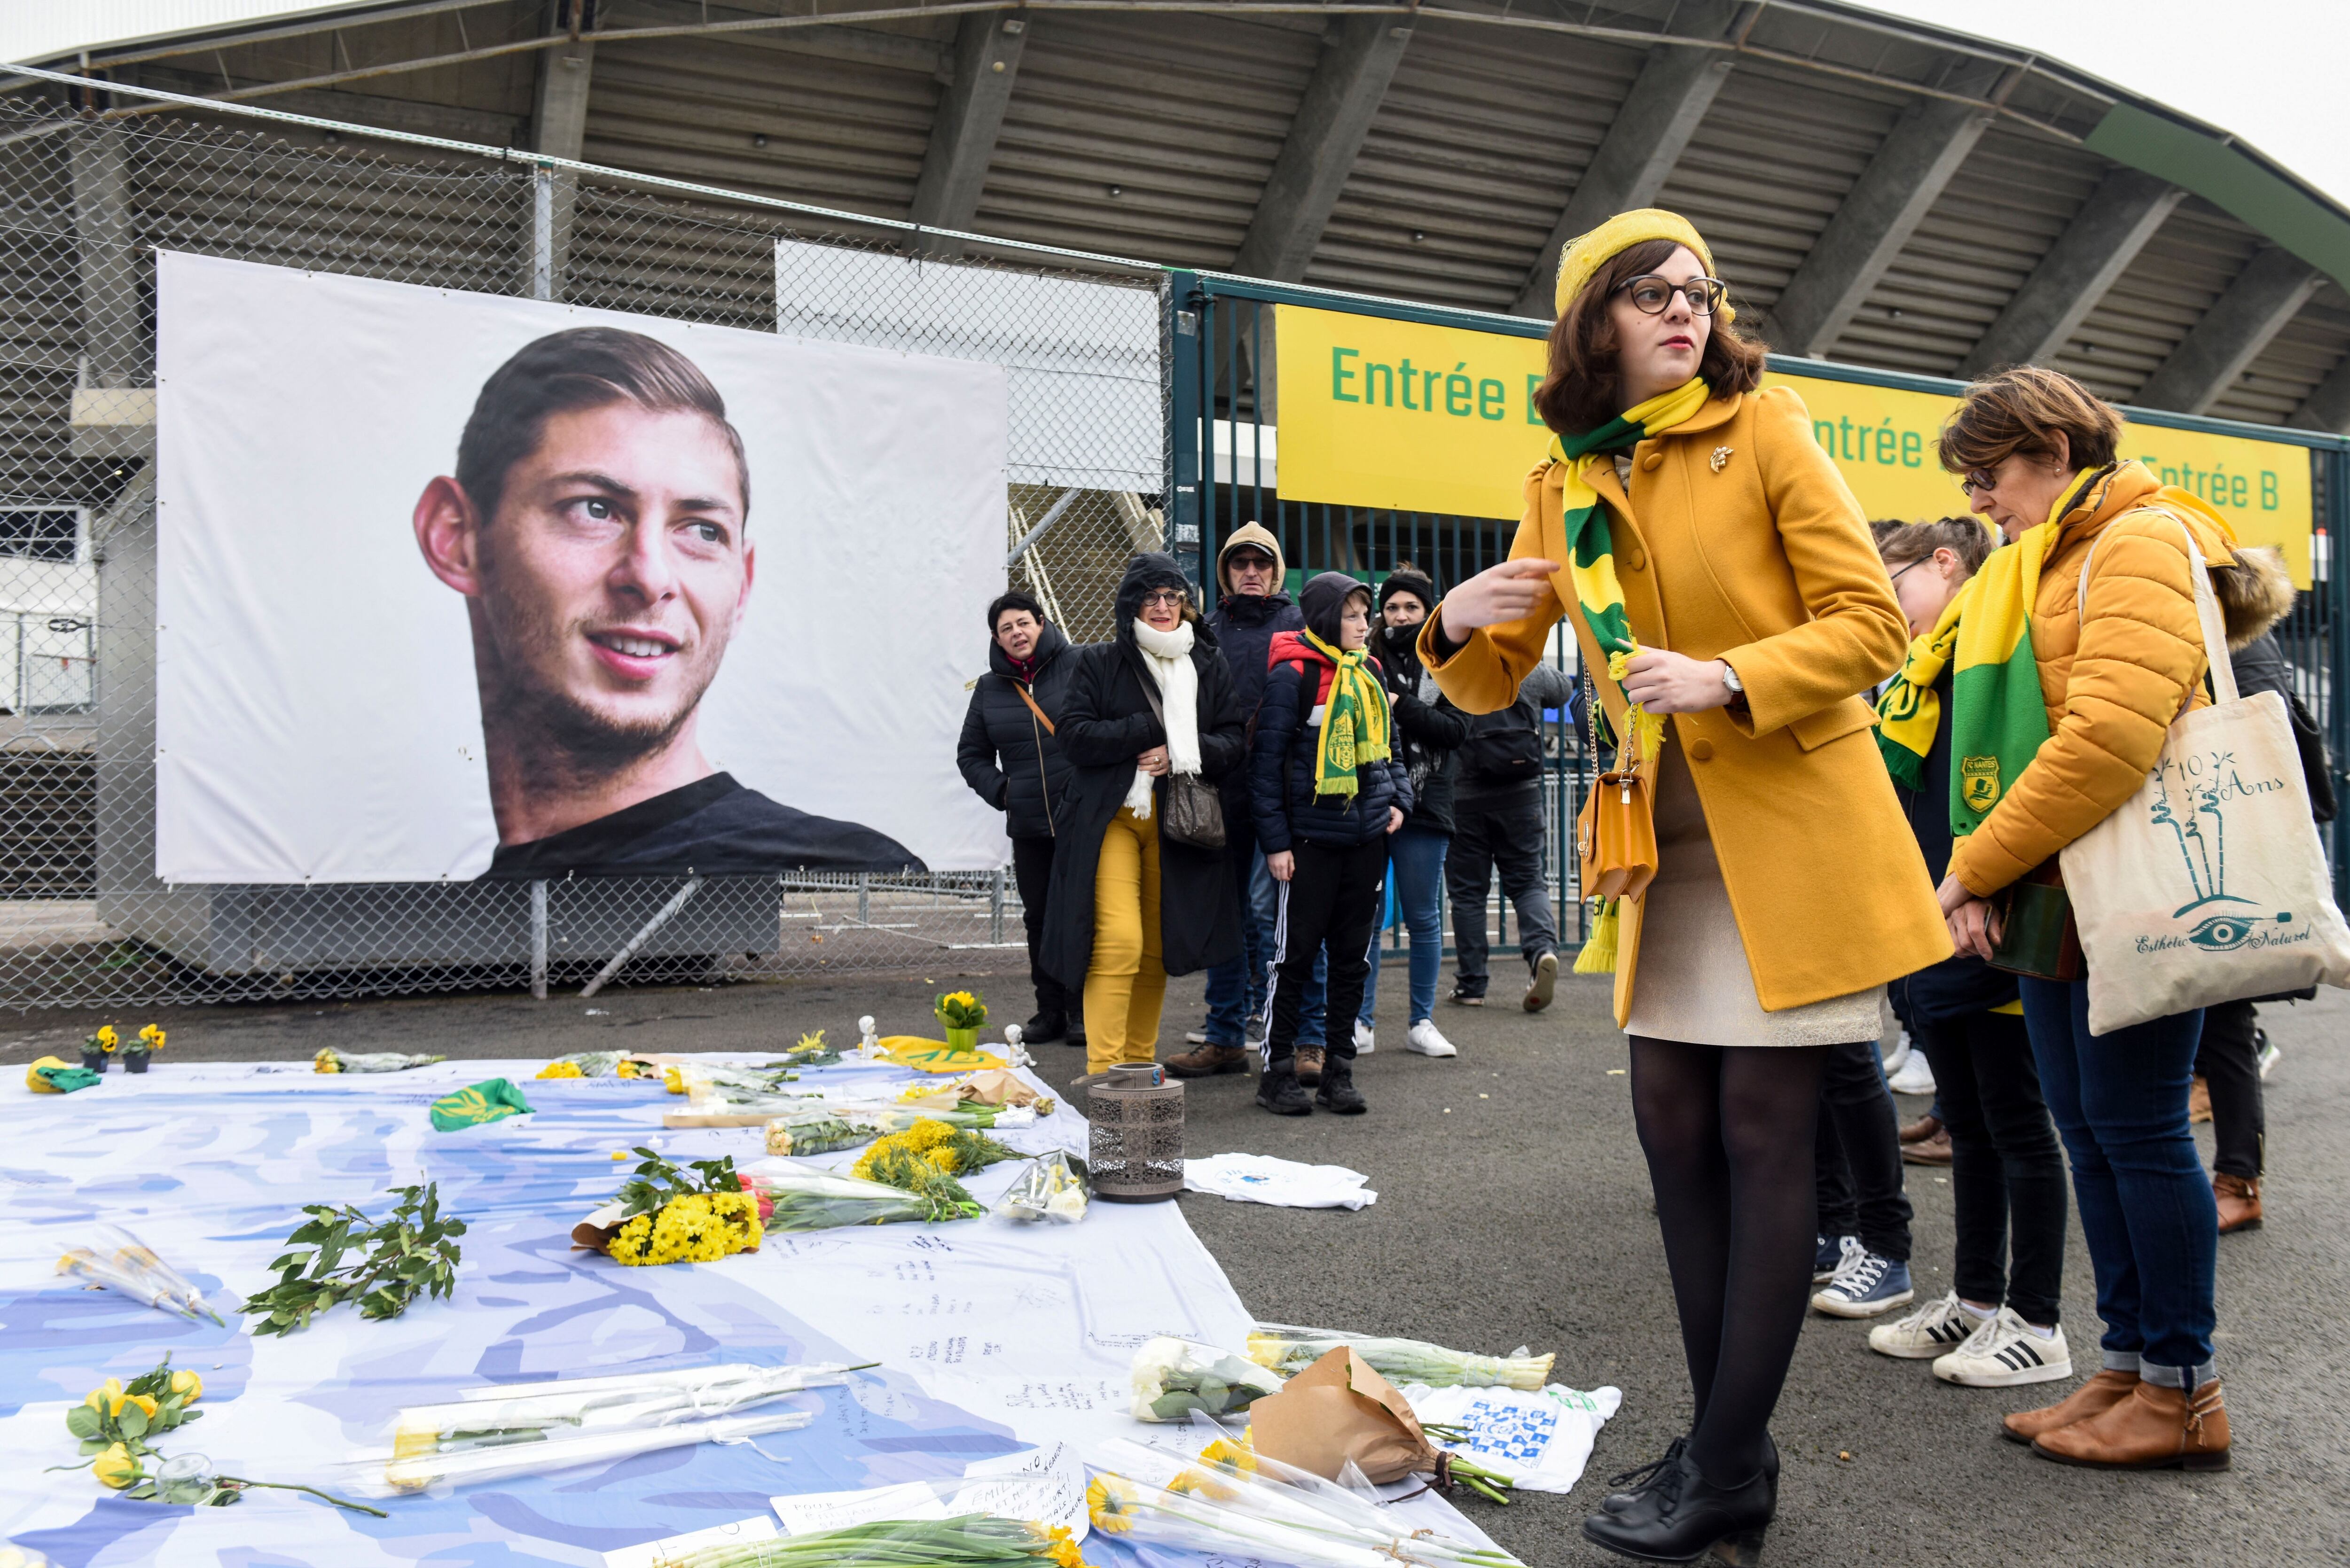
x,y
1288,1350
331,1060
1259,1482
1134,1511
121,1262
816,1131
966,1538
805,1198
535,1412
426,1467
1052,1188
1174,1378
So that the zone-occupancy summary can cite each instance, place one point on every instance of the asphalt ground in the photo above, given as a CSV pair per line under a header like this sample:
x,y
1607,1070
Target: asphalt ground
x,y
1513,1210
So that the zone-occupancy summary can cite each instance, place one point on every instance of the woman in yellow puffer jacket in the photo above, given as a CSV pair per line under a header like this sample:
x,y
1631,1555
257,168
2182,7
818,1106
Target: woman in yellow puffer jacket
x,y
2036,453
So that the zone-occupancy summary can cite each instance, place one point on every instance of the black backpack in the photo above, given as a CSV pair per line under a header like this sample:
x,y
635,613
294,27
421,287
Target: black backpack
x,y
1505,747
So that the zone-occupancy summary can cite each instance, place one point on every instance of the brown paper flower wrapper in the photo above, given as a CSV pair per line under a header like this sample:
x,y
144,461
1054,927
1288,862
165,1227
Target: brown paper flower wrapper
x,y
1337,1409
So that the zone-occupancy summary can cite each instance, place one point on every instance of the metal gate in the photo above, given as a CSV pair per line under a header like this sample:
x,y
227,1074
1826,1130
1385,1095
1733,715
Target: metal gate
x,y
1225,462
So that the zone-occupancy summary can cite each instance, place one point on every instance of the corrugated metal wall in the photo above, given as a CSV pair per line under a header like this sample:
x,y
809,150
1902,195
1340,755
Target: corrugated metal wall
x,y
1759,208
1481,138
839,132
1997,218
1182,114
2189,262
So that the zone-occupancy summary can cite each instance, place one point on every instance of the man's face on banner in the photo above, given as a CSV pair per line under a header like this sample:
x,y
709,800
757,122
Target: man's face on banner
x,y
612,574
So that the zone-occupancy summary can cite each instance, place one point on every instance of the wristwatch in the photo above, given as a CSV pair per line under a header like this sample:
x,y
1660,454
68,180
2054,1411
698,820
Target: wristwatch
x,y
1729,678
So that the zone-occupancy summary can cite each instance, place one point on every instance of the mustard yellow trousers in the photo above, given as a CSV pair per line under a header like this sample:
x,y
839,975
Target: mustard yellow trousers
x,y
1127,981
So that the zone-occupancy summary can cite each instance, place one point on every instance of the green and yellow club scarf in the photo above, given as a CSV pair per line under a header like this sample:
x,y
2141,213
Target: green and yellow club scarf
x,y
1591,567
1353,720
1999,719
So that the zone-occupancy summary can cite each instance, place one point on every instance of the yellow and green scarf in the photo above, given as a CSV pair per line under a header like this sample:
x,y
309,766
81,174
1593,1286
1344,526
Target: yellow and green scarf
x,y
1999,720
1353,720
1591,567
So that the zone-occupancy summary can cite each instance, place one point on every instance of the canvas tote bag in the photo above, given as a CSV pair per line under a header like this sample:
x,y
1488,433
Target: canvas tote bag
x,y
2210,884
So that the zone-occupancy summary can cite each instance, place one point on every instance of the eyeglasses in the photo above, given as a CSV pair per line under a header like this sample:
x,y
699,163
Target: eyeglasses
x,y
1251,562
1977,479
1652,295
1169,597
1910,568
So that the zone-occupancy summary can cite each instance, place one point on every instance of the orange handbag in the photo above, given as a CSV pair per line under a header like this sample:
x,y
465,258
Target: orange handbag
x,y
1615,835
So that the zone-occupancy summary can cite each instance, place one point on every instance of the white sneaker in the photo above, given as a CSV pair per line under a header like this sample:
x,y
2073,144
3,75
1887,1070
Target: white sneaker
x,y
1900,1056
2004,1353
1915,1077
1933,1330
1425,1039
2265,1050
1364,1042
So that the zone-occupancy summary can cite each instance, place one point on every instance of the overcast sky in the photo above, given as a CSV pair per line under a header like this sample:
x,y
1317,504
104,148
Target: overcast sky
x,y
2271,71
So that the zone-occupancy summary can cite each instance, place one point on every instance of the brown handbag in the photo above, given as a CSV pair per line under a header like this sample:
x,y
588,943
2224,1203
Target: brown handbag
x,y
1190,808
1616,834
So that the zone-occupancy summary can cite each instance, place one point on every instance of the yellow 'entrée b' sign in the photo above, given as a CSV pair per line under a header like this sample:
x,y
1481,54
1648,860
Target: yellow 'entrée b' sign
x,y
1404,415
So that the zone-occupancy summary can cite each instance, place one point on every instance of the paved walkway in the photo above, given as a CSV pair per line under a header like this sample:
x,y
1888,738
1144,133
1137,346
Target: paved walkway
x,y
1513,1210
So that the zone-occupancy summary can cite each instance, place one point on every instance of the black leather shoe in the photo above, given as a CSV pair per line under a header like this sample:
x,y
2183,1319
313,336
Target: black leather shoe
x,y
1278,1090
1633,1484
1077,1037
1043,1028
1681,1517
1338,1092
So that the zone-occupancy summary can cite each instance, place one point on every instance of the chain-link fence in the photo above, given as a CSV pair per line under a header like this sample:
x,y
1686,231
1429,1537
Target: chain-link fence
x,y
89,191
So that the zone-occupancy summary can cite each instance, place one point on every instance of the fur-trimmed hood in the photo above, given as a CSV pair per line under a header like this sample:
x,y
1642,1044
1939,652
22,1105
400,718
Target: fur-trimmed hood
x,y
2254,594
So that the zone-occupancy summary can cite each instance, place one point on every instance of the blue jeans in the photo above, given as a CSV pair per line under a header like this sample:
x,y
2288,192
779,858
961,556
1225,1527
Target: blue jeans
x,y
2120,1105
1236,987
1416,872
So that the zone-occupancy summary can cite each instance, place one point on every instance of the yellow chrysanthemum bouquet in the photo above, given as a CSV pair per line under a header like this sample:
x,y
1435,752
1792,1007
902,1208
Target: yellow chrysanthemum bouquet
x,y
668,1215
926,1159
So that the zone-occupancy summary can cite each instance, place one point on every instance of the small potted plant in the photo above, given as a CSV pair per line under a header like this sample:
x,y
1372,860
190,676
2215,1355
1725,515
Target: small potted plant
x,y
98,1047
960,1014
135,1054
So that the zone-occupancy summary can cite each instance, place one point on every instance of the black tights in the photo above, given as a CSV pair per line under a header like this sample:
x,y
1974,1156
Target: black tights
x,y
1728,1132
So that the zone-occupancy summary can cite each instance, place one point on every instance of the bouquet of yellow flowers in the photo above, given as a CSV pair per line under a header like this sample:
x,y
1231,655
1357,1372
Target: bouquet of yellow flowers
x,y
665,1216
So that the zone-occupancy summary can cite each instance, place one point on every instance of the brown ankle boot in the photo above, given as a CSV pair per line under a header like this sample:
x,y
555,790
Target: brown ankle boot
x,y
2095,1397
1209,1060
2156,1429
2240,1202
1309,1065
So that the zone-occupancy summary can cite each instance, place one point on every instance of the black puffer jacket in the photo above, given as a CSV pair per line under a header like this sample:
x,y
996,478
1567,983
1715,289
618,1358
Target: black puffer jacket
x,y
1289,731
1428,730
1009,759
1106,722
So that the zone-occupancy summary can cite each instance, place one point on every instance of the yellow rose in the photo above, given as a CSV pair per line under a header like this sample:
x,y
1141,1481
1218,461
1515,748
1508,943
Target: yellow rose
x,y
145,1402
115,1467
188,1387
624,1069
325,1061
106,1398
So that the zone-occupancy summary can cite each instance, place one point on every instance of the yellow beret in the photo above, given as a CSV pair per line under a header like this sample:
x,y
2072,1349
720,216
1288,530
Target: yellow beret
x,y
1586,254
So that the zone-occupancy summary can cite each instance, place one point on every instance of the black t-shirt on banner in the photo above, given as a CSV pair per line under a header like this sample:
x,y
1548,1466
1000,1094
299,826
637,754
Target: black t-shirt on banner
x,y
711,828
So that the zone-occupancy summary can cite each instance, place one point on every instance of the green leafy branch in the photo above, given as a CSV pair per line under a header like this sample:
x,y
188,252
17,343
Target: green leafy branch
x,y
415,1253
656,1181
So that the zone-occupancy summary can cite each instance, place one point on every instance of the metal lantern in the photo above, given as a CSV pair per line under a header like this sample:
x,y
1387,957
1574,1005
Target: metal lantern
x,y
1136,1151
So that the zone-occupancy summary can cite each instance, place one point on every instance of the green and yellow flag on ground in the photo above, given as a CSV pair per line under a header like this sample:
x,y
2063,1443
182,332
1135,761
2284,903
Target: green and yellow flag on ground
x,y
493,1099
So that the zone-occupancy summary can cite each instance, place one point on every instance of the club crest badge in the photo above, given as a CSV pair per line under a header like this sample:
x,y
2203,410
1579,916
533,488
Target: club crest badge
x,y
1979,782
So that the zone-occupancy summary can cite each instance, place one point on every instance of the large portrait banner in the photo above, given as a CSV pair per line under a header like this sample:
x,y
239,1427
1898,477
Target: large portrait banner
x,y
452,585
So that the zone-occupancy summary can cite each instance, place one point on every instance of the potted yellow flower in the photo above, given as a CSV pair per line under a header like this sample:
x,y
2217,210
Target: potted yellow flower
x,y
960,1014
98,1047
135,1054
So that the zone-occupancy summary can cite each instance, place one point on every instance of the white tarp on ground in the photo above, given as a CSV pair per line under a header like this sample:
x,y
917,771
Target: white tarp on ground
x,y
992,1336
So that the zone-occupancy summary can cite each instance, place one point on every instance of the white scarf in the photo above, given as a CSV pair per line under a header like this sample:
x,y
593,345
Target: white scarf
x,y
1167,655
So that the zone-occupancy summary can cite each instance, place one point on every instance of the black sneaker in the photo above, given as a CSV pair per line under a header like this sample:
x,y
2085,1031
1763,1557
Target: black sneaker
x,y
1043,1027
1077,1037
1277,1091
1338,1092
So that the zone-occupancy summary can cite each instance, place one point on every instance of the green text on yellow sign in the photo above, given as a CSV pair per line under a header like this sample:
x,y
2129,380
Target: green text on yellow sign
x,y
1408,416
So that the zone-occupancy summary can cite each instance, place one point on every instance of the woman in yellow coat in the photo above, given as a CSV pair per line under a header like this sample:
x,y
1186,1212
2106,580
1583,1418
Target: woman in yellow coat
x,y
1722,574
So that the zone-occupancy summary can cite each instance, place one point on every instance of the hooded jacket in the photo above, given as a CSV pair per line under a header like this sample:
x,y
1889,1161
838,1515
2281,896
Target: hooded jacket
x,y
1289,732
1106,722
1007,756
1428,730
1246,624
2112,681
2254,596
